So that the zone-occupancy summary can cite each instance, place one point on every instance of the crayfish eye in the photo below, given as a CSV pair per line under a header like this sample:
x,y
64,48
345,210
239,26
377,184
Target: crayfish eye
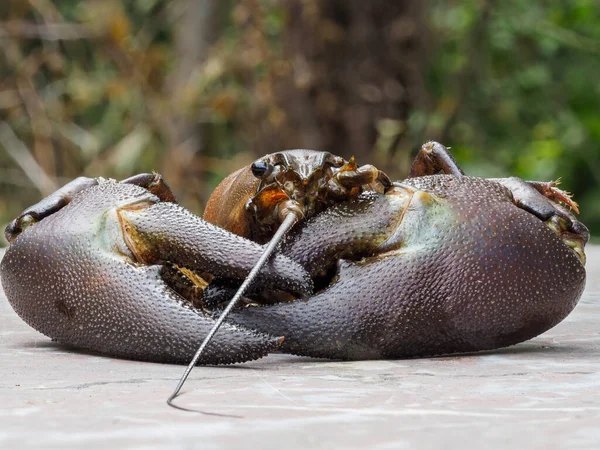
x,y
259,168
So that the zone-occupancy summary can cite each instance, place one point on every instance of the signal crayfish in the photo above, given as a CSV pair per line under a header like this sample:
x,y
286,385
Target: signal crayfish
x,y
437,263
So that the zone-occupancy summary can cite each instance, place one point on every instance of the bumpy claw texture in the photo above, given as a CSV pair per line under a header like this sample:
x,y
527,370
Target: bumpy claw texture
x,y
464,269
436,264
47,206
72,277
168,232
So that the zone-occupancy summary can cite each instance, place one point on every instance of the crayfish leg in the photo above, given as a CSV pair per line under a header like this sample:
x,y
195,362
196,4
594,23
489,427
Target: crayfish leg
x,y
154,183
434,158
549,189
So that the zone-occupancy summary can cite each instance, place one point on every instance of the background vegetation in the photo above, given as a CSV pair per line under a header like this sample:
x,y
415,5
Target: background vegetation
x,y
197,88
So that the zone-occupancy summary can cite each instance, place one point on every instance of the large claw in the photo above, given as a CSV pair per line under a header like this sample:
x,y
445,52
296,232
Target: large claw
x,y
75,276
440,264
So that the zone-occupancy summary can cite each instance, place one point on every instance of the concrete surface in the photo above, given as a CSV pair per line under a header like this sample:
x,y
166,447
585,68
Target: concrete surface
x,y
541,394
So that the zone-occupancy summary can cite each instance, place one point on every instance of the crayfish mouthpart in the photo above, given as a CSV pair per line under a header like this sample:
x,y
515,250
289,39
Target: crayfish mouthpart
x,y
305,182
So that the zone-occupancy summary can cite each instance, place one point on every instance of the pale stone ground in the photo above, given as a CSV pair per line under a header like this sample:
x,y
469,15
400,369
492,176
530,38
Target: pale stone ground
x,y
538,395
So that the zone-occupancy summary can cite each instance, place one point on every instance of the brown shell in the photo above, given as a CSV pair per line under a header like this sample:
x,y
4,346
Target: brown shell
x,y
226,206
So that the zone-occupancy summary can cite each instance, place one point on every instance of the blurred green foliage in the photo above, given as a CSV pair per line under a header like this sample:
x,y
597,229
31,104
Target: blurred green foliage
x,y
92,87
516,92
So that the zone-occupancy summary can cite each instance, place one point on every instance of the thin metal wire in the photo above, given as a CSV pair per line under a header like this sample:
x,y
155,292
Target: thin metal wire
x,y
289,221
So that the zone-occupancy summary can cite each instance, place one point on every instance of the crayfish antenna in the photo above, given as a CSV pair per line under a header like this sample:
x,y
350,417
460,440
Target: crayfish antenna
x,y
289,221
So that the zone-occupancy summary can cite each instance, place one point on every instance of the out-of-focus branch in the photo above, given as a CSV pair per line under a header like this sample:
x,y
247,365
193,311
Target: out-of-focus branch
x,y
18,151
40,125
570,38
48,31
158,110
464,80
196,29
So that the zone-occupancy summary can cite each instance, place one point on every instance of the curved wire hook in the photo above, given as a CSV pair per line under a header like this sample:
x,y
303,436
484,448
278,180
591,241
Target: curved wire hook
x,y
289,221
